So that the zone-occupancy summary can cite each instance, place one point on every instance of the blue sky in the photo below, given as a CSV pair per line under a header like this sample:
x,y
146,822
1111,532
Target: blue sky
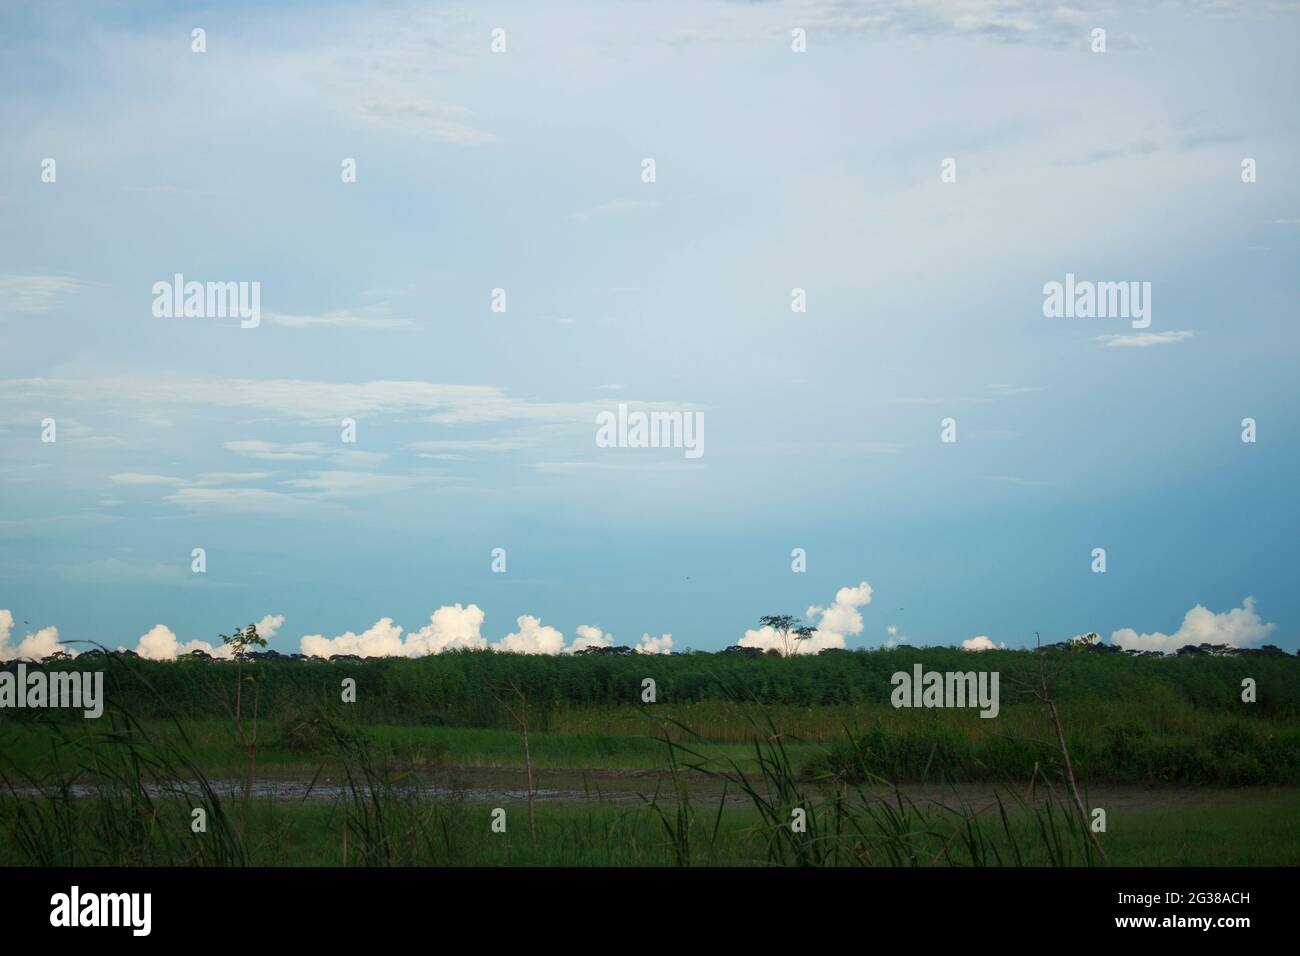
x,y
522,170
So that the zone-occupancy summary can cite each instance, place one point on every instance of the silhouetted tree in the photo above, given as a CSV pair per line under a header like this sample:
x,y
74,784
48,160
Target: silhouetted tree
x,y
789,630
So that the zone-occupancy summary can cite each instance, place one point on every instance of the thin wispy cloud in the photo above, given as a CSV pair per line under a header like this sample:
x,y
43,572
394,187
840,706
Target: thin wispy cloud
x,y
1142,340
374,317
1010,390
425,117
620,207
35,293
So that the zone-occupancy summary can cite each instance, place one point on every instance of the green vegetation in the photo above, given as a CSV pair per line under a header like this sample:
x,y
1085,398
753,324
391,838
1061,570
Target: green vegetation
x,y
711,774
1127,720
454,689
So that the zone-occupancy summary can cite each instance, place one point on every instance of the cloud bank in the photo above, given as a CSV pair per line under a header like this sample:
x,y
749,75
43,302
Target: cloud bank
x,y
34,646
1239,627
159,643
452,627
457,627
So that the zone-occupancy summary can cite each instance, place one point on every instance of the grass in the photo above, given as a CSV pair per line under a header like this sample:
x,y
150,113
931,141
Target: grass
x,y
1121,744
742,819
209,744
1253,832
453,689
708,780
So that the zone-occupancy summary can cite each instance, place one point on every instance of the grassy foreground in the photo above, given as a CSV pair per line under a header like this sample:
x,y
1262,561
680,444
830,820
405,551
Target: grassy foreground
x,y
1256,828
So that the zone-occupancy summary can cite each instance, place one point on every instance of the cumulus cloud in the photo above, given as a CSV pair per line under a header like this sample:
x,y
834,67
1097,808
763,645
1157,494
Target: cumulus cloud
x,y
34,646
268,625
590,636
450,628
160,642
841,618
457,627
894,638
533,637
982,643
655,645
833,624
382,639
1238,627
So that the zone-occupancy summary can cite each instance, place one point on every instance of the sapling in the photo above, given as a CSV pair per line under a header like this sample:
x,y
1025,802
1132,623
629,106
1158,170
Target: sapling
x,y
240,643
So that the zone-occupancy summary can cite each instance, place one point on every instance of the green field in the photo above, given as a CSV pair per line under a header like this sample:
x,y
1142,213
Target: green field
x,y
715,771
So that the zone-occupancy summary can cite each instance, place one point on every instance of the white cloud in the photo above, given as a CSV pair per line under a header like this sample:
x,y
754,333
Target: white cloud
x,y
375,317
982,643
271,451
1005,390
382,639
841,619
474,444
833,624
615,208
1238,627
301,451
136,478
302,400
894,638
160,643
34,293
351,484
237,500
42,644
450,628
1142,340
533,637
655,645
33,647
422,115
210,491
269,625
590,636
457,627
229,477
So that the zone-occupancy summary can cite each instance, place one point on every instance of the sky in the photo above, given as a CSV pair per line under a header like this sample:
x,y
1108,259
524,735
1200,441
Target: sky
x,y
524,169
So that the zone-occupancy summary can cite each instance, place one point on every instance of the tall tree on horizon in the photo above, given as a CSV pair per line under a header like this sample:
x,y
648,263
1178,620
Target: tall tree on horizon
x,y
789,629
